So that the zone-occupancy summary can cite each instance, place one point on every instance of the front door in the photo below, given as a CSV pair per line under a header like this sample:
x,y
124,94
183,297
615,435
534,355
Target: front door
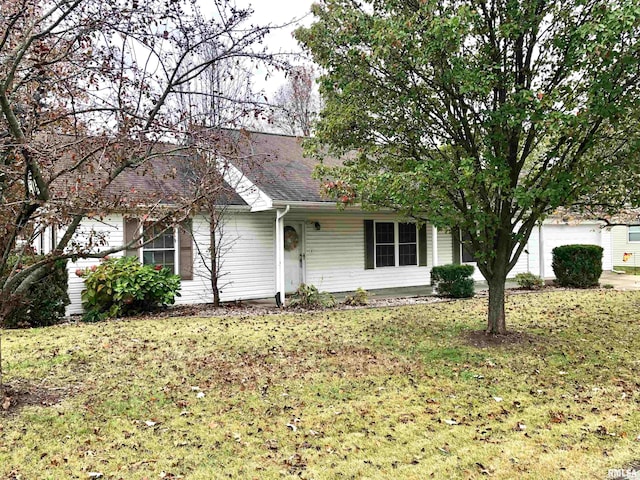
x,y
293,256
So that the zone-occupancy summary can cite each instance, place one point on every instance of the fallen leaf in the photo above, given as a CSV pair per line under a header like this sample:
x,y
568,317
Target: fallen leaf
x,y
7,403
482,468
497,399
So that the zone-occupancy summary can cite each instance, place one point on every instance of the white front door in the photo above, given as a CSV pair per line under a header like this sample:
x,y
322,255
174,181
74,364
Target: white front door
x,y
293,256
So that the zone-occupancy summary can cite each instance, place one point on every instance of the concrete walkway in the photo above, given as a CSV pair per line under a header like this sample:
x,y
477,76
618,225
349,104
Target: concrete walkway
x,y
620,281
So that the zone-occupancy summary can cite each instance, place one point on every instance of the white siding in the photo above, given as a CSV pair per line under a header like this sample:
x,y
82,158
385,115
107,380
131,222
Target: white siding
x,y
445,247
248,265
620,245
248,261
606,239
335,254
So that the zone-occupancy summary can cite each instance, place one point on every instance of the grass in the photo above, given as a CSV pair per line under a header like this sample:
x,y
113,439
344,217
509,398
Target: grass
x,y
406,393
627,269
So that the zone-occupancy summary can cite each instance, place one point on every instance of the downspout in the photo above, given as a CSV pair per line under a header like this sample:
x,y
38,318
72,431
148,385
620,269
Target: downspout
x,y
280,255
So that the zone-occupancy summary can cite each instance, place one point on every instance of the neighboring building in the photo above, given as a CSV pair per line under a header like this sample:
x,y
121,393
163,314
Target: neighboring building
x,y
279,232
626,245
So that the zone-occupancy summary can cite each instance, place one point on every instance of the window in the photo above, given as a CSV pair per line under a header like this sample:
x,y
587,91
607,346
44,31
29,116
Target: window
x,y
385,244
634,233
161,250
407,244
407,241
467,256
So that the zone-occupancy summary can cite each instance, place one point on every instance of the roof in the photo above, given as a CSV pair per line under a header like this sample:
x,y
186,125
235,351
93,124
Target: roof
x,y
277,166
274,163
167,175
167,179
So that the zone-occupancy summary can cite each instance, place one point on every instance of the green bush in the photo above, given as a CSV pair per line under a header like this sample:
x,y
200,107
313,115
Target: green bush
x,y
529,281
44,302
453,280
308,296
122,286
577,266
359,298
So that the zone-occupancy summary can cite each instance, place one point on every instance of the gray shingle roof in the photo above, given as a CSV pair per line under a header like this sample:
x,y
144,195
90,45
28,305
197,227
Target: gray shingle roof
x,y
278,167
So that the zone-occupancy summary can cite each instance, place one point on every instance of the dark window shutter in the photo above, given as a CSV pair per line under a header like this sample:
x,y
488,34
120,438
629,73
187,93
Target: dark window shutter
x,y
369,246
186,249
455,234
131,226
422,246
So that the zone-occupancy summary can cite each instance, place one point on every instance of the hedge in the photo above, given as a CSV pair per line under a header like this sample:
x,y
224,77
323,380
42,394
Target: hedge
x,y
453,280
44,302
577,266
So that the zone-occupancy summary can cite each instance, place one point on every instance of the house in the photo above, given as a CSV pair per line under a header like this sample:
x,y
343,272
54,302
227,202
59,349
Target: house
x,y
626,245
279,232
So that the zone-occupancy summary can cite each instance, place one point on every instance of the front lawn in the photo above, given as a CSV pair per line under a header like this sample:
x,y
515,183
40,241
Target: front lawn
x,y
409,393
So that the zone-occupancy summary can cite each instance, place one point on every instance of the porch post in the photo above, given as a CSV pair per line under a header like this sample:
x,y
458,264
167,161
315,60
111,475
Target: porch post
x,y
280,253
434,245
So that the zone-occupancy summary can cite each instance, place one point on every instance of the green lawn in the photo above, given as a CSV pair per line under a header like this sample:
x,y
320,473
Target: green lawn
x,y
388,393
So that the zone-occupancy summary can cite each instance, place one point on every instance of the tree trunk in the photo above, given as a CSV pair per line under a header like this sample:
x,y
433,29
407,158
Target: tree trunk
x,y
1,376
496,324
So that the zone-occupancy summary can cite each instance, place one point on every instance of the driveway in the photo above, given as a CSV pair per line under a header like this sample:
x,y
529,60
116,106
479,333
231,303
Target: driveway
x,y
620,281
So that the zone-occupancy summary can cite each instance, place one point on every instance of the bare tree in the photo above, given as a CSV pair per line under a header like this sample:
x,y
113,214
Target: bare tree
x,y
297,102
206,172
218,101
89,90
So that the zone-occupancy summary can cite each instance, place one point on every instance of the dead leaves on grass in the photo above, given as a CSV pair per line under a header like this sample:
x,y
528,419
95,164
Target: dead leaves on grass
x,y
261,370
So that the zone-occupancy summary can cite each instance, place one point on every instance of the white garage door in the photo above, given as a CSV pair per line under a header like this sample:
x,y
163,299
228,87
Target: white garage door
x,y
556,235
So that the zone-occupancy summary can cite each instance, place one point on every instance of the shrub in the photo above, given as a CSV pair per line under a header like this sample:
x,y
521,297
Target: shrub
x,y
45,301
453,280
577,266
308,296
122,286
529,281
359,298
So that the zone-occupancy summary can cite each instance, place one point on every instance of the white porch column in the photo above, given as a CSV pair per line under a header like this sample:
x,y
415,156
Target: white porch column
x,y
541,250
280,253
434,245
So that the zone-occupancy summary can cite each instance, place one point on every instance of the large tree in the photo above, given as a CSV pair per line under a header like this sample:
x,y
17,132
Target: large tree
x,y
483,116
90,89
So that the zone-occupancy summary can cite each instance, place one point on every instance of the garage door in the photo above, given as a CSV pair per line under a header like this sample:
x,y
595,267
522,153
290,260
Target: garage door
x,y
556,235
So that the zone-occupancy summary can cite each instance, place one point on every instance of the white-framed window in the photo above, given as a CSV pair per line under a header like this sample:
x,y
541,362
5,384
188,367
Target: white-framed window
x,y
162,249
396,244
634,233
